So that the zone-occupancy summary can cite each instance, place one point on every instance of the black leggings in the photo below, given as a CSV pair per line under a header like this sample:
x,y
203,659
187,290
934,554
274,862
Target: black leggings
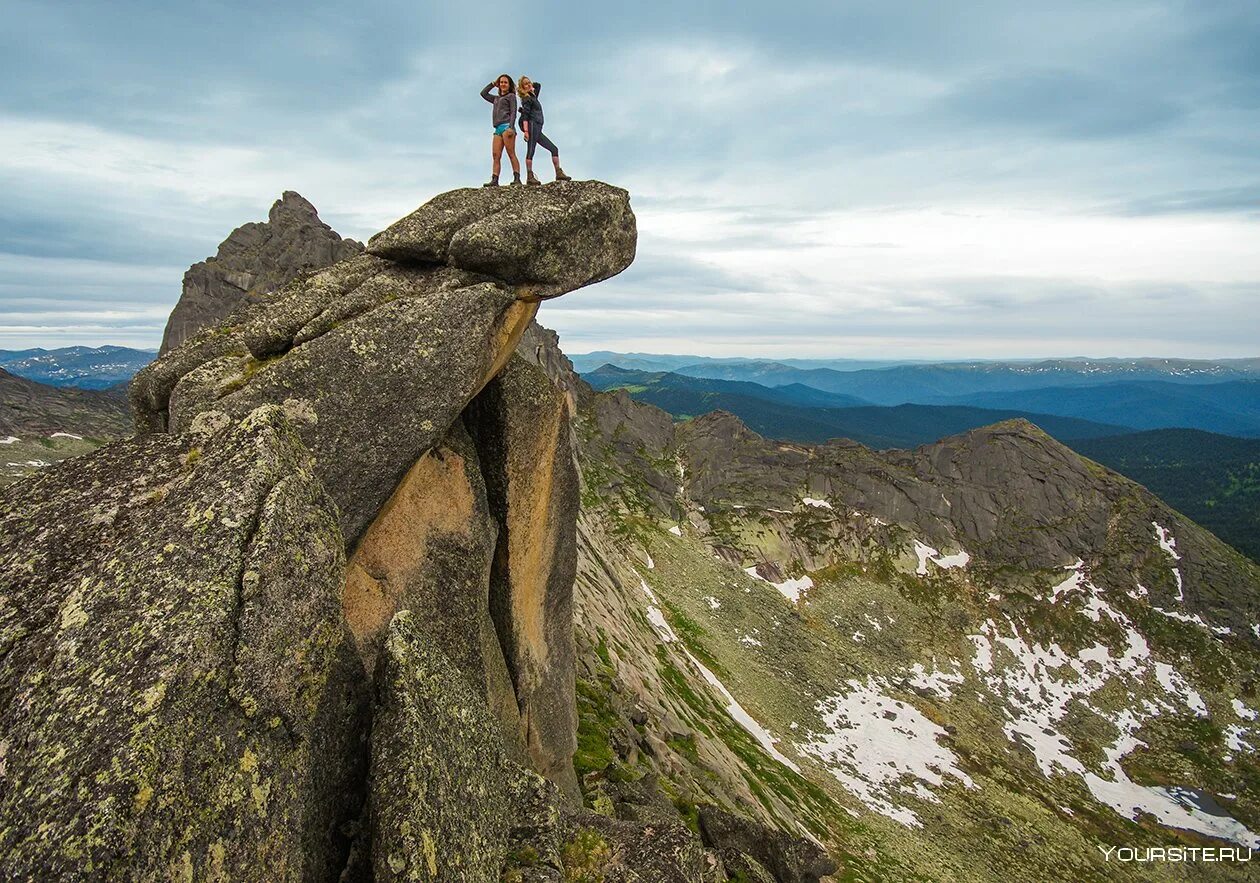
x,y
537,137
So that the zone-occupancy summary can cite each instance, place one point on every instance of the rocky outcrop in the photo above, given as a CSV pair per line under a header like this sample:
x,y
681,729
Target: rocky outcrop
x,y
371,339
545,241
786,858
443,789
179,695
521,425
430,551
253,261
194,681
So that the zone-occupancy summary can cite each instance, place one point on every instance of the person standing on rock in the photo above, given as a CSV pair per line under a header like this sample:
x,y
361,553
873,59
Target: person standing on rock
x,y
532,127
502,118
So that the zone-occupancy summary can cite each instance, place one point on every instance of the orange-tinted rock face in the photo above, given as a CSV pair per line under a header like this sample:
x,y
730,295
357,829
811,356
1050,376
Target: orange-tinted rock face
x,y
429,551
521,426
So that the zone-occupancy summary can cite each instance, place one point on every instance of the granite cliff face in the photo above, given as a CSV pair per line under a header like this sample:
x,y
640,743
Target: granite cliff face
x,y
255,260
315,619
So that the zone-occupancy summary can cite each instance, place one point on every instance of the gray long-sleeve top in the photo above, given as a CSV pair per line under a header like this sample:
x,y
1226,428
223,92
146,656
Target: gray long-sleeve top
x,y
504,105
531,108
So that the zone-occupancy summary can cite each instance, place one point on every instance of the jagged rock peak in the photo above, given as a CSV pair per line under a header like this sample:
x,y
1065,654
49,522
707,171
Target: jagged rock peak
x,y
256,259
293,207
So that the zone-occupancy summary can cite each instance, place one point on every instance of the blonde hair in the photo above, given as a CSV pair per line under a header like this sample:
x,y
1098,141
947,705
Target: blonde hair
x,y
520,87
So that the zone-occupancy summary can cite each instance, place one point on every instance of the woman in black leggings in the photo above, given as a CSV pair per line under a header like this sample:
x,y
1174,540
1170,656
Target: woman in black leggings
x,y
532,126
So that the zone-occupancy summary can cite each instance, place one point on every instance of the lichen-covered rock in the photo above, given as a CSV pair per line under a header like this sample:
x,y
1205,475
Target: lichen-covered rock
x,y
375,362
179,697
443,790
600,848
789,859
255,259
377,355
549,239
520,423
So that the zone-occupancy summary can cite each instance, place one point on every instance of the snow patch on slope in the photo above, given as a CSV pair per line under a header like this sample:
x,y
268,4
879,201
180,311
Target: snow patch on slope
x,y
926,553
881,749
733,708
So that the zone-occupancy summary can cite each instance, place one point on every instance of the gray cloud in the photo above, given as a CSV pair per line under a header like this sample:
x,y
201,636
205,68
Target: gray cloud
x,y
789,136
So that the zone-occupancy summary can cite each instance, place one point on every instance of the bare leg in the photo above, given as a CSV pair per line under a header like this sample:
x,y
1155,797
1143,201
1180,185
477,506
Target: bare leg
x,y
496,154
509,141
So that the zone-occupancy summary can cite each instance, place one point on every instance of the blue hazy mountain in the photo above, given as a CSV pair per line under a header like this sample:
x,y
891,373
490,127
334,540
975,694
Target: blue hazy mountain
x,y
584,362
84,367
1229,408
612,377
946,383
794,413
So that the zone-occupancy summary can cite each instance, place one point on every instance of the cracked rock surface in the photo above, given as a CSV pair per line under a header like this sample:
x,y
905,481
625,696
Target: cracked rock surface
x,y
179,695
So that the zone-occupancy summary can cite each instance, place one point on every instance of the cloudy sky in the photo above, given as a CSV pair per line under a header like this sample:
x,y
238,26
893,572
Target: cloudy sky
x,y
887,179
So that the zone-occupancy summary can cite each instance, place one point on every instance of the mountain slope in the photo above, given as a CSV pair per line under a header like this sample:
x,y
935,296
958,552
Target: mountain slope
x,y
41,425
986,659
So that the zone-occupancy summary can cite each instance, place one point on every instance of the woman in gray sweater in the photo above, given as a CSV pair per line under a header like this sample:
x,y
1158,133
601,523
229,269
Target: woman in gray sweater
x,y
503,118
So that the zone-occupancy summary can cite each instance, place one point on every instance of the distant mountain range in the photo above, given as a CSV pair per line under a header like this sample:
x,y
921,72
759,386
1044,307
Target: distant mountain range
x,y
1221,397
945,383
797,413
1231,407
80,366
584,362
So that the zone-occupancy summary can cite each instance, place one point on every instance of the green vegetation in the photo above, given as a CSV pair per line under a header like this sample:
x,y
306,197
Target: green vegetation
x,y
1214,479
585,856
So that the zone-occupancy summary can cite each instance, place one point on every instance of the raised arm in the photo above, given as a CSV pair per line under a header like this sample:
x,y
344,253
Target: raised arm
x,y
485,93
537,88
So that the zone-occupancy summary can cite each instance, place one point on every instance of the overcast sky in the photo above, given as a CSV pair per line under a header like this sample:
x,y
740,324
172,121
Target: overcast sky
x,y
918,180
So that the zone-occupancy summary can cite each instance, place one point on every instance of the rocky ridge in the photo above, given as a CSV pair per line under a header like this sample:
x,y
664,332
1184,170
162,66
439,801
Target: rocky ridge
x,y
987,658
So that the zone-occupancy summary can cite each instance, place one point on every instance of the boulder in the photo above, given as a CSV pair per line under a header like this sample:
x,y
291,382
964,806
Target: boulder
x,y
254,260
179,696
600,848
429,550
547,239
788,858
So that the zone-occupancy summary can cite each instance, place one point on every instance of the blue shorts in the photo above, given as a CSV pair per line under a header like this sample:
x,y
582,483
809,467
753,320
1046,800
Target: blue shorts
x,y
501,128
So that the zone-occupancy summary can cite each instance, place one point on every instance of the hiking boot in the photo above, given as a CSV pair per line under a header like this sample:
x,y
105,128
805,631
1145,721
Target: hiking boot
x,y
493,182
561,176
531,178
516,178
